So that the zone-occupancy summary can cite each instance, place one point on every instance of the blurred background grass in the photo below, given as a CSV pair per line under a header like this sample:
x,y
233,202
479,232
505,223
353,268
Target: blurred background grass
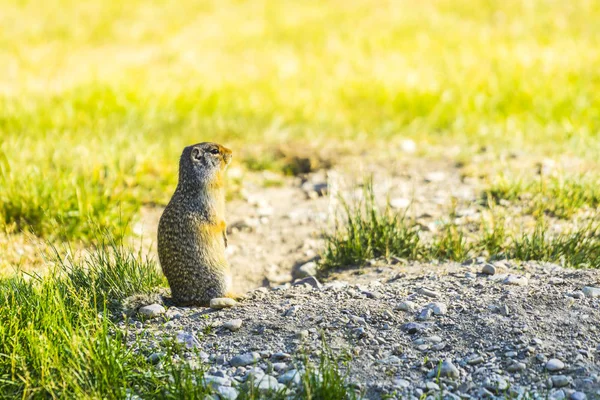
x,y
97,98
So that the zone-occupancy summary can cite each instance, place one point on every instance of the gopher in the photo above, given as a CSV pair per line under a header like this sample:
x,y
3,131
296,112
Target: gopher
x,y
192,232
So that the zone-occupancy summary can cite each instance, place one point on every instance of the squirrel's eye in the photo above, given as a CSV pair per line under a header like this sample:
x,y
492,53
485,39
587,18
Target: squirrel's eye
x,y
214,151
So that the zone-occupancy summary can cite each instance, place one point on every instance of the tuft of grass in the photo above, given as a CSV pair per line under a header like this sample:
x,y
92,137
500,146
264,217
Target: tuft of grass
x,y
577,248
326,380
370,233
451,245
554,196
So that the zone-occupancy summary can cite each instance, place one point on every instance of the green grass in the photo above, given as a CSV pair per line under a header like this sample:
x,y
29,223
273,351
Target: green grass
x,y
367,232
553,196
59,338
97,98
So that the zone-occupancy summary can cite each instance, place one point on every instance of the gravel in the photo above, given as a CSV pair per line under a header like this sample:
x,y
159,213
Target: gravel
x,y
547,346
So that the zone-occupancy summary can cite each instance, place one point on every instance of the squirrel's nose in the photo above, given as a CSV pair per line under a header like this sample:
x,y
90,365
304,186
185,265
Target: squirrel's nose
x,y
227,157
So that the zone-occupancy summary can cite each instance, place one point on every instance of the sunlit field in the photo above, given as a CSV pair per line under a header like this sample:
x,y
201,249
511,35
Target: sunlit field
x,y
98,98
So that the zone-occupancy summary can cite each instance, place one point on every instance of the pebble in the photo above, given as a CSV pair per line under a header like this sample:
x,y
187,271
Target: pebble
x,y
268,383
577,396
151,311
488,269
400,202
408,306
559,381
428,293
308,269
448,370
425,314
437,176
516,280
432,386
227,392
591,292
173,313
310,281
555,364
517,367
290,376
222,302
188,339
495,384
281,356
244,359
233,325
438,308
475,359
303,334
413,327
401,383
216,381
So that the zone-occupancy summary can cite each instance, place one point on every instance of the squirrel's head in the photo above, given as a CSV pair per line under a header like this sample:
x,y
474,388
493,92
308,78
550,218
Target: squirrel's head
x,y
204,164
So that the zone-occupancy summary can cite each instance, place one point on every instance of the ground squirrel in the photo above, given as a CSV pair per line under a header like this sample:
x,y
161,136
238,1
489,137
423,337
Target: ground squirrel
x,y
191,233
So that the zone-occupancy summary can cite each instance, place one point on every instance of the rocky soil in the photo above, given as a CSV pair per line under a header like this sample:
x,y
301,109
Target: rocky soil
x,y
461,331
477,330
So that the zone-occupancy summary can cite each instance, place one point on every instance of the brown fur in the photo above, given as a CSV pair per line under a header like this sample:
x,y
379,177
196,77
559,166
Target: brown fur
x,y
192,230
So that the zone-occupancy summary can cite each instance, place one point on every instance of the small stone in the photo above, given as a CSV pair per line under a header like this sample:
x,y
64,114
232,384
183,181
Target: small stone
x,y
290,312
428,292
555,364
268,383
188,339
496,384
475,359
216,381
577,294
559,381
413,327
438,308
399,202
244,359
401,383
222,302
408,306
488,269
516,280
281,356
448,370
425,314
151,311
437,176
578,396
516,367
591,292
292,376
279,367
311,281
233,325
504,310
173,313
432,386
227,392
303,334
308,269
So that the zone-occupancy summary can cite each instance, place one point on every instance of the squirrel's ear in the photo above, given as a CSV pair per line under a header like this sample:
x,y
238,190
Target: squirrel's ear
x,y
196,153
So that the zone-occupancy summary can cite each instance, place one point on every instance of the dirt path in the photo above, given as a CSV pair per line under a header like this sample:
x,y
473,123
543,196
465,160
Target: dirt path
x,y
274,230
